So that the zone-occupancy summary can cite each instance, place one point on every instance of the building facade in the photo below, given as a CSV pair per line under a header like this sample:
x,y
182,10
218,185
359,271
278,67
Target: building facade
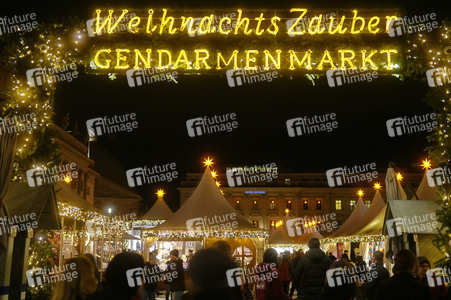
x,y
303,194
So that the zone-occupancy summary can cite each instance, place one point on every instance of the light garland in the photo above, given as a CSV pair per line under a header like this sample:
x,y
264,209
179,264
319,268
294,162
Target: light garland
x,y
354,239
185,235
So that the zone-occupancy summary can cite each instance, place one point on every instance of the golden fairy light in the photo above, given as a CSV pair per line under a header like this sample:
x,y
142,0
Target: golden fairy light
x,y
360,193
377,186
214,174
399,177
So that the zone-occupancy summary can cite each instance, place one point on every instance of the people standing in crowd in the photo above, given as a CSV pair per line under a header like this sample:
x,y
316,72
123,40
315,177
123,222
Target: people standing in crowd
x,y
117,286
438,290
360,269
268,283
332,256
343,291
403,284
80,286
380,274
284,272
208,273
294,262
310,273
96,271
177,283
150,288
190,255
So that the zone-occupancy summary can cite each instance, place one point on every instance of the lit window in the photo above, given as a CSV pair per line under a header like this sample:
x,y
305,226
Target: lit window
x,y
352,204
237,204
255,222
287,181
272,205
338,205
318,204
367,203
305,205
289,204
255,204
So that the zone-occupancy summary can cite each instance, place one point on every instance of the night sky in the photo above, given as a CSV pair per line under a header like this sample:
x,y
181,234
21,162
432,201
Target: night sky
x,y
262,109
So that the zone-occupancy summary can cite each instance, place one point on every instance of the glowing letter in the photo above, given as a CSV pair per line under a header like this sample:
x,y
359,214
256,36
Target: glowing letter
x,y
367,59
182,58
149,22
274,23
160,59
257,29
339,27
107,61
291,30
229,21
120,58
108,19
347,59
389,66
240,22
269,56
318,28
326,59
233,56
139,56
133,23
354,19
376,21
294,58
165,21
248,59
201,59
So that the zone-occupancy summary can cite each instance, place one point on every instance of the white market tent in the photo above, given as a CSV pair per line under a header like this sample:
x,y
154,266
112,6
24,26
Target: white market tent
x,y
207,201
159,211
349,225
377,205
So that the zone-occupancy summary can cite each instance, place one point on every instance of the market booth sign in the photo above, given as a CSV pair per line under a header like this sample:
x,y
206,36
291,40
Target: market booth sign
x,y
293,40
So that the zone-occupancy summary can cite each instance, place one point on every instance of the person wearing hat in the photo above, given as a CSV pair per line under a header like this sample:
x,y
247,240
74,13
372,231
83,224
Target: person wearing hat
x,y
177,282
438,290
153,271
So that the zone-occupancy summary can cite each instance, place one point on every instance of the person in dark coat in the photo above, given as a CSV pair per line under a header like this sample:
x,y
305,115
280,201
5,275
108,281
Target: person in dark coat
x,y
438,291
344,291
381,275
153,272
310,273
284,272
403,285
208,273
268,285
176,282
294,262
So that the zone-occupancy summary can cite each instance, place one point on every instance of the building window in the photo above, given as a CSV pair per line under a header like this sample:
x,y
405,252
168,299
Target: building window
x,y
352,204
318,204
289,204
367,203
272,204
255,204
305,204
338,205
287,181
255,222
272,224
237,204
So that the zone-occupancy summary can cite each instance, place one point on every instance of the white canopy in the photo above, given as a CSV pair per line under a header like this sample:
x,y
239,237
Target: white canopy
x,y
393,188
205,201
377,205
349,225
159,211
279,236
425,192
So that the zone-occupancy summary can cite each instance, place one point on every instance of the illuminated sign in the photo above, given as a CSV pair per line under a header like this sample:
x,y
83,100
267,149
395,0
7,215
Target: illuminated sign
x,y
294,40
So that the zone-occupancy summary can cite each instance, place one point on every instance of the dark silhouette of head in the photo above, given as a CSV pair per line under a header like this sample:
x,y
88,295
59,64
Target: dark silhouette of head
x,y
313,243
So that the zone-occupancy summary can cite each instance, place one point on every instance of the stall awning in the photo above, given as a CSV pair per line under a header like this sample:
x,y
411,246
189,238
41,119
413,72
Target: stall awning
x,y
413,216
21,199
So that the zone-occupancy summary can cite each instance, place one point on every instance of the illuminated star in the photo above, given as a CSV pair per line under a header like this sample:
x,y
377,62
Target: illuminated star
x,y
208,162
112,76
377,186
360,193
67,179
213,173
218,184
287,211
426,164
399,177
160,193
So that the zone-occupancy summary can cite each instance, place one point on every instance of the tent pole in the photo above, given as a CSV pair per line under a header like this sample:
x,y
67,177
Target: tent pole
x,y
30,233
9,259
60,258
73,238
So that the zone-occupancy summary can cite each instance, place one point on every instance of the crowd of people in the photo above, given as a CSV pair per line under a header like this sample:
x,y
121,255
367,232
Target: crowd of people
x,y
313,275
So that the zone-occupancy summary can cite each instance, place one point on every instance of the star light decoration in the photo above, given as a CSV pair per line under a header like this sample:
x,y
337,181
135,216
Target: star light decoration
x,y
399,177
360,193
208,162
160,193
426,164
377,186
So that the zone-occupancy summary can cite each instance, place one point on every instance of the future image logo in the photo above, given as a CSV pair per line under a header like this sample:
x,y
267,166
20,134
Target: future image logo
x,y
412,224
247,175
409,125
438,277
148,175
109,125
239,76
308,125
337,77
347,175
438,76
208,125
407,25
438,176
40,76
138,77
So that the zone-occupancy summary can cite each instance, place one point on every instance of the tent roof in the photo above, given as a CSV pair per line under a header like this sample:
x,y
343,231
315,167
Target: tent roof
x,y
415,215
374,227
159,211
377,205
393,187
356,215
280,237
21,199
425,192
65,194
205,201
306,237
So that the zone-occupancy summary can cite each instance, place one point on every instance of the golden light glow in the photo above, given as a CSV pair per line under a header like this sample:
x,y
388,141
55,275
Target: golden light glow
x,y
287,211
67,179
208,162
278,224
218,184
377,186
160,193
399,177
360,193
426,164
213,173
